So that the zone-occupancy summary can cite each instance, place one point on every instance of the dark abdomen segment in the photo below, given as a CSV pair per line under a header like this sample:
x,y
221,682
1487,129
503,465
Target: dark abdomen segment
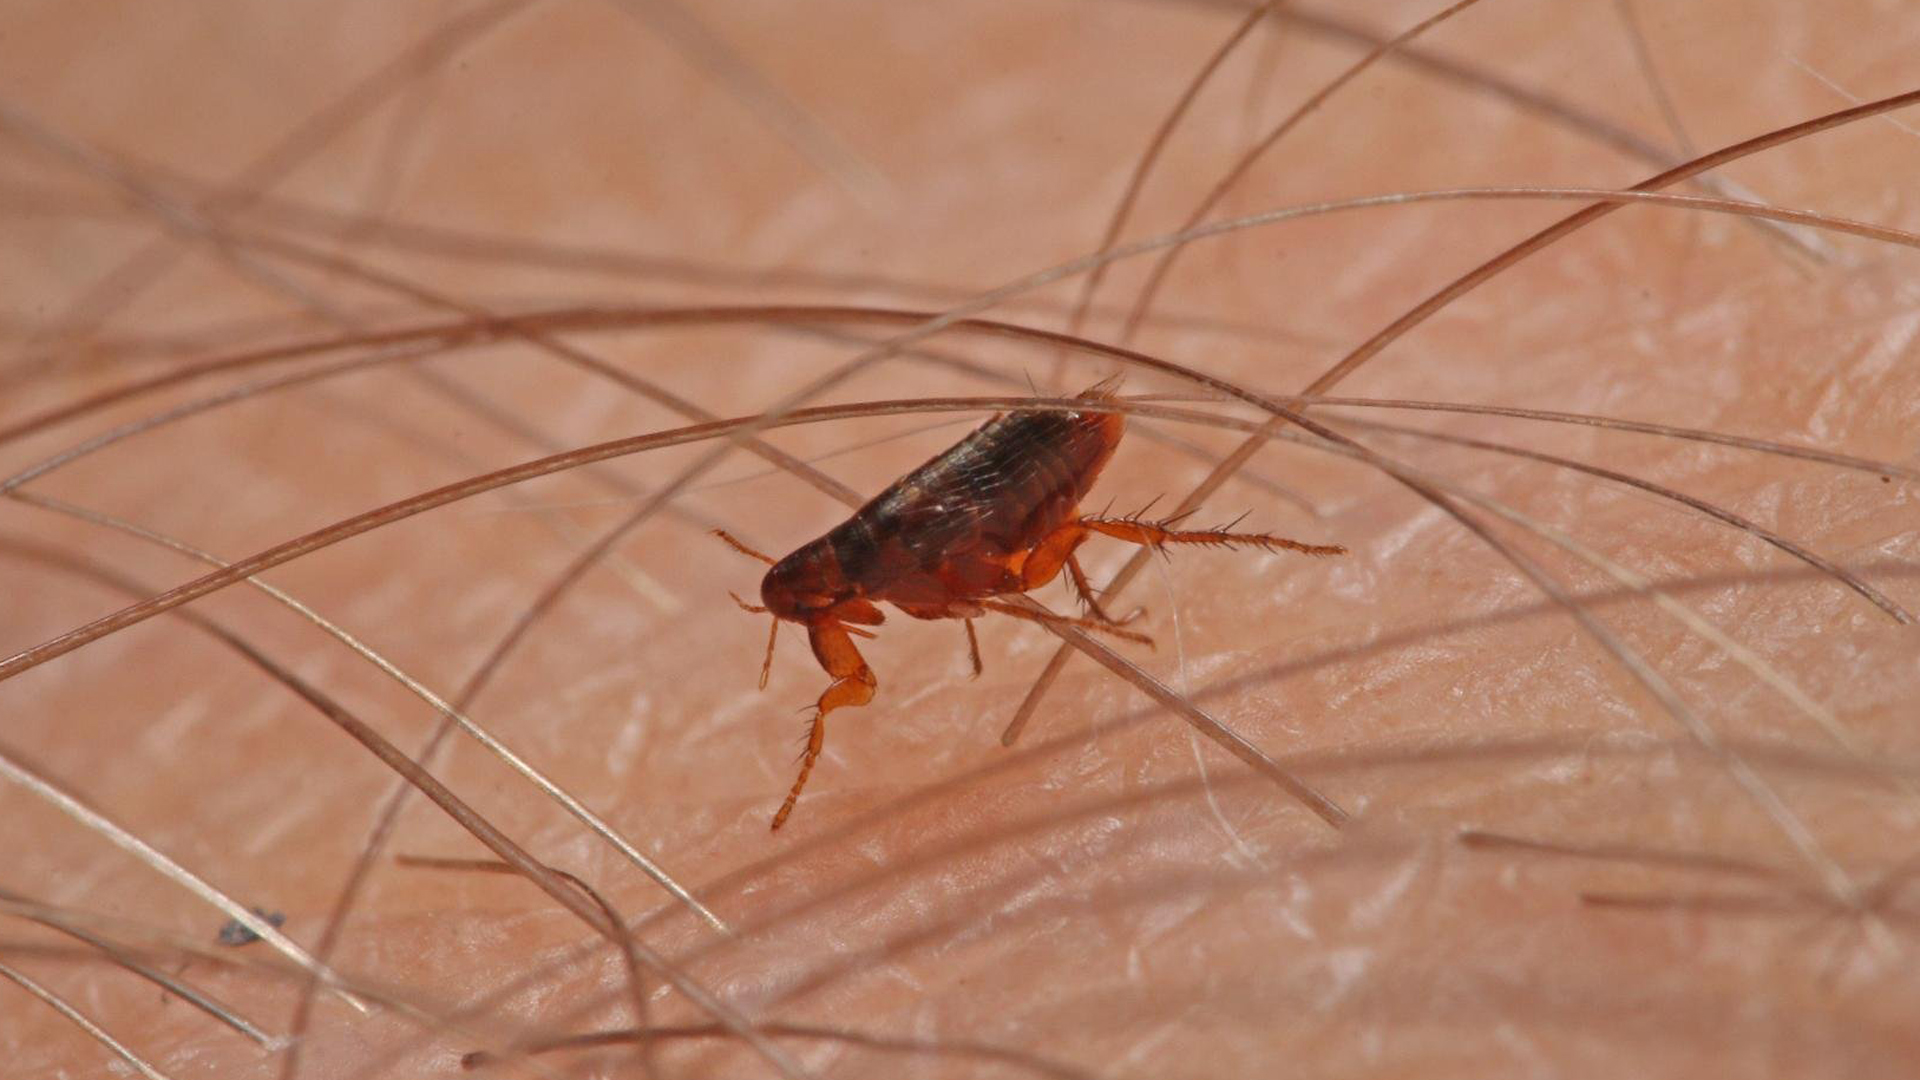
x,y
945,531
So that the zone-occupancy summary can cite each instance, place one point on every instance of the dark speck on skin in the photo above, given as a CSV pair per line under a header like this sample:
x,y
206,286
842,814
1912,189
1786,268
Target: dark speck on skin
x,y
235,933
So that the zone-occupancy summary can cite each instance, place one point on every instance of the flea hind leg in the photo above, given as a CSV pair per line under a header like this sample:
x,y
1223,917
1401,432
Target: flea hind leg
x,y
1156,534
1084,589
1048,618
853,685
1055,550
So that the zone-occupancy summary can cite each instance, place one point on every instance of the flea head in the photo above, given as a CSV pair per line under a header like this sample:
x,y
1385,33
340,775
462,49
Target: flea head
x,y
803,585
809,586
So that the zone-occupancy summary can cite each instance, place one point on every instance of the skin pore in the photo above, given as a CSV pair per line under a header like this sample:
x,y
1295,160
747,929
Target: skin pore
x,y
1546,869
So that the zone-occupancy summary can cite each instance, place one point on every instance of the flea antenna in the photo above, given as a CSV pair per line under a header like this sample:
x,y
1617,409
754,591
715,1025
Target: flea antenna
x,y
734,543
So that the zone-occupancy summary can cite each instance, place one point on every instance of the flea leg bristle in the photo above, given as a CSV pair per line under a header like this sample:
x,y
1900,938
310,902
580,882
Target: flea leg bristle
x,y
1157,535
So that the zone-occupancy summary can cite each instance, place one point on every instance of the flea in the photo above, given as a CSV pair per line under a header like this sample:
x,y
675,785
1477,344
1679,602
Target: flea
x,y
993,516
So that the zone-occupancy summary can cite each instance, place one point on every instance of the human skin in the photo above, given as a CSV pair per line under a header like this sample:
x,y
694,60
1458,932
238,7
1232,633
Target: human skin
x,y
1545,872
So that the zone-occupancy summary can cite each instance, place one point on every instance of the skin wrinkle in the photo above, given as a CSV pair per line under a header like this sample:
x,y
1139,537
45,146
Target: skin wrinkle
x,y
1071,898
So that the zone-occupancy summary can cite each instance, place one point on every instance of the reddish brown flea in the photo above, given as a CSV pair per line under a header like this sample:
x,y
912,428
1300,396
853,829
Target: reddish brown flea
x,y
995,515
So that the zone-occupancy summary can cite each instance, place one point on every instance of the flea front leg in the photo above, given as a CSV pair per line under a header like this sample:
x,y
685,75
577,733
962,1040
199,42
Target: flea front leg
x,y
853,684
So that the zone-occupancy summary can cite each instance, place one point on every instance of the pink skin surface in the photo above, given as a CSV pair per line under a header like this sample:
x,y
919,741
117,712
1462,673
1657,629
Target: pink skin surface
x,y
1112,896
